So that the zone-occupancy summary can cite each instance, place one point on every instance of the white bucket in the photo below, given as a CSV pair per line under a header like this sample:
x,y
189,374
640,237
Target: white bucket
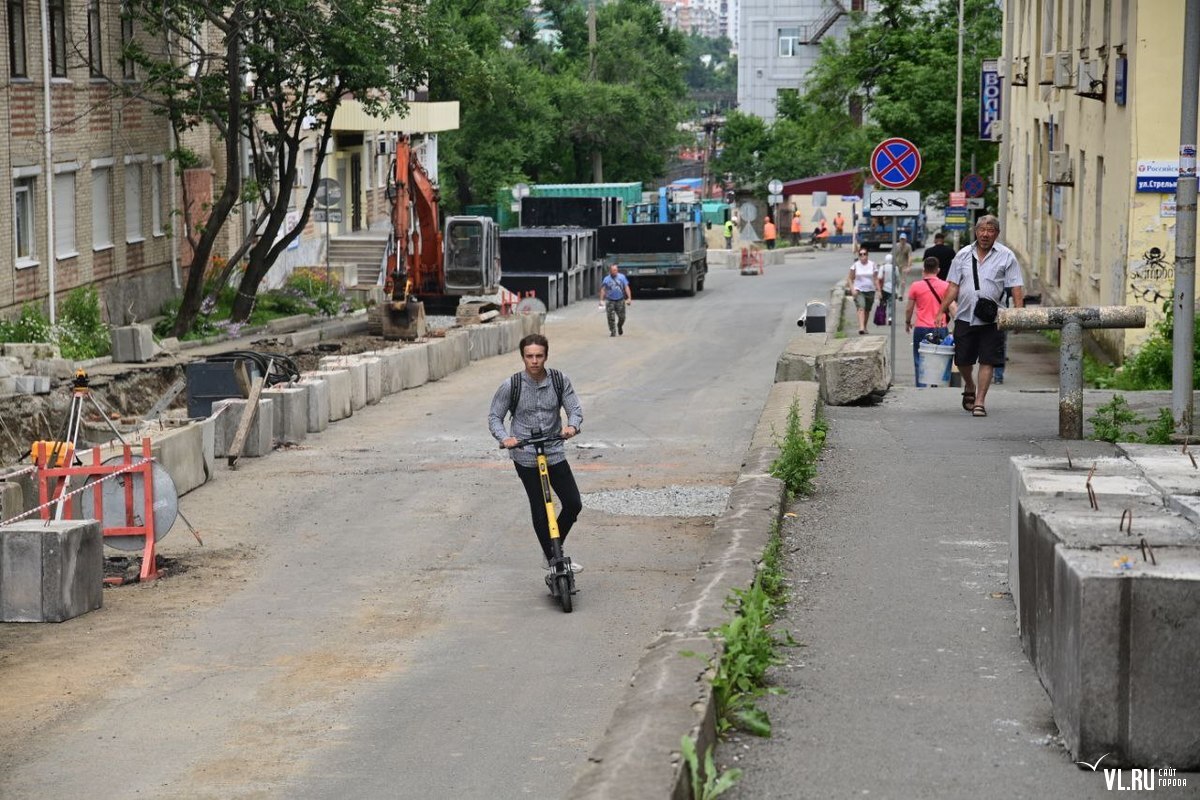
x,y
933,364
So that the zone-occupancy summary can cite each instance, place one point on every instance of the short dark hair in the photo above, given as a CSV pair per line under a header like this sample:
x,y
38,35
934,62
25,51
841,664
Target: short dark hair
x,y
534,338
939,235
932,264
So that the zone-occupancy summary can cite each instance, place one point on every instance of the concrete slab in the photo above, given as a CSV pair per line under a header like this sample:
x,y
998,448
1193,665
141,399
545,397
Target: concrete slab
x,y
1187,505
483,341
339,383
511,333
855,371
50,571
358,377
449,354
413,366
1128,642
374,368
28,353
133,344
181,453
303,339
1166,467
55,368
12,500
31,384
258,439
316,403
291,413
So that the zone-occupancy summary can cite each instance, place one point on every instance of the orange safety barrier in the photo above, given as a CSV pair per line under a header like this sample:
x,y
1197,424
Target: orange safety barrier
x,y
52,481
752,262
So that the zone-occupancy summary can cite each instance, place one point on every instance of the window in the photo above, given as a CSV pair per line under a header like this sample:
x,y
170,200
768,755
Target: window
x,y
95,36
128,70
133,203
16,39
64,214
58,38
23,220
102,234
156,199
789,39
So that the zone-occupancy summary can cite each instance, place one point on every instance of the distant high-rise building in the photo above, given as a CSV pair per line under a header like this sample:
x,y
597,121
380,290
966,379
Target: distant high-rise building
x,y
778,42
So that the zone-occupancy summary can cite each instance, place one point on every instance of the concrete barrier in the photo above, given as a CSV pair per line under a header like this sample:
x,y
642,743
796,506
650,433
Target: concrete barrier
x,y
511,333
50,571
483,341
374,366
291,413
258,440
181,453
339,383
358,377
848,370
448,354
12,499
316,402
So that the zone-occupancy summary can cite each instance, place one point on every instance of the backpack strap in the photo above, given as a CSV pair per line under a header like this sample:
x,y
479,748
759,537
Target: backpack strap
x,y
514,389
560,384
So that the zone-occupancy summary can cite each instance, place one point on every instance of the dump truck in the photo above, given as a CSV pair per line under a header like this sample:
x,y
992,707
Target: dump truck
x,y
656,255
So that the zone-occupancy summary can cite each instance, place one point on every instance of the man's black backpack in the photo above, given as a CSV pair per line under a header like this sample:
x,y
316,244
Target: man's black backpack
x,y
514,389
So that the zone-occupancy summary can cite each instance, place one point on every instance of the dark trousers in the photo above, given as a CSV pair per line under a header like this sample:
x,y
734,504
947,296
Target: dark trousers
x,y
562,482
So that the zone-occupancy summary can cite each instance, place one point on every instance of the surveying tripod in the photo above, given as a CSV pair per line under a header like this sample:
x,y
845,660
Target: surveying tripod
x,y
65,446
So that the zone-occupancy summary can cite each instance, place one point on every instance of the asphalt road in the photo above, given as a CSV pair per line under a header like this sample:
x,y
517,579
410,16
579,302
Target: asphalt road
x,y
391,635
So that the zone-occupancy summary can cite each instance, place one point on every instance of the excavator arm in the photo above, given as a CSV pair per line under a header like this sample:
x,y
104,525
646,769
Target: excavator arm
x,y
415,260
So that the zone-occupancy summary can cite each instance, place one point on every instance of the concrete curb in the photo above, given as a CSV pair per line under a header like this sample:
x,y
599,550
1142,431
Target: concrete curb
x,y
670,694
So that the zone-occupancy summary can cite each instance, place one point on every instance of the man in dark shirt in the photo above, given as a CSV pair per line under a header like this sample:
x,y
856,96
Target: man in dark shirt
x,y
943,252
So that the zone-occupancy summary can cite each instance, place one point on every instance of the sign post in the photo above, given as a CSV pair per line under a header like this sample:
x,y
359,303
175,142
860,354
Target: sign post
x,y
895,163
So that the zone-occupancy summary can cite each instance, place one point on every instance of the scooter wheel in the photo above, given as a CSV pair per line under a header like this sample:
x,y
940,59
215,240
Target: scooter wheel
x,y
563,582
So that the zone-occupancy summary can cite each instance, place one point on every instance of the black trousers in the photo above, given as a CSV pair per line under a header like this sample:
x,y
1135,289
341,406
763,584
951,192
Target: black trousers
x,y
562,482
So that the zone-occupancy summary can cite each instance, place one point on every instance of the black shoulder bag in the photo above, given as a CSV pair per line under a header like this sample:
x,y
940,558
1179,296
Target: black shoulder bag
x,y
986,308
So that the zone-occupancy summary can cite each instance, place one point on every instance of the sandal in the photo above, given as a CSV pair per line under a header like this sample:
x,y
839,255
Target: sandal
x,y
978,411
968,401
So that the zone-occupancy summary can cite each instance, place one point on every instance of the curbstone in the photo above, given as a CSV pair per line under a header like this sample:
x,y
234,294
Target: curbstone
x,y
50,571
358,377
258,438
483,341
302,339
339,383
316,403
12,499
772,423
449,354
288,324
374,367
181,453
291,413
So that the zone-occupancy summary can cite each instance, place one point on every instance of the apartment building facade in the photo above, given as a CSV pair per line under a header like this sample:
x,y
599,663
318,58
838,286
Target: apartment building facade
x,y
1091,146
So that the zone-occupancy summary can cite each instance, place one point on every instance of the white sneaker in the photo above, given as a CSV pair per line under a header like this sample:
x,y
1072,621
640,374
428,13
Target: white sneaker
x,y
576,566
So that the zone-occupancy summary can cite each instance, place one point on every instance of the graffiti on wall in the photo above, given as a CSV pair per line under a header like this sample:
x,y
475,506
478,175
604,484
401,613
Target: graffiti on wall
x,y
1151,280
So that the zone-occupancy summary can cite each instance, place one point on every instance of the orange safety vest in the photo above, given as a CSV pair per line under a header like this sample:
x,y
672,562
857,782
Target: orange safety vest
x,y
768,230
796,224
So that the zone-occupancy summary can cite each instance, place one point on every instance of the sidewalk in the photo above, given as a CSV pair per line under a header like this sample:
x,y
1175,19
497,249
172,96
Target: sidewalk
x,y
910,681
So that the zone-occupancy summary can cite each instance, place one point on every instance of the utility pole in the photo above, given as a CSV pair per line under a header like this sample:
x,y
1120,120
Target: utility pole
x,y
1185,230
958,113
597,156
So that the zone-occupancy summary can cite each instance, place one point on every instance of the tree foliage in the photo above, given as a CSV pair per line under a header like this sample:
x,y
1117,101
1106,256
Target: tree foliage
x,y
898,66
546,108
267,76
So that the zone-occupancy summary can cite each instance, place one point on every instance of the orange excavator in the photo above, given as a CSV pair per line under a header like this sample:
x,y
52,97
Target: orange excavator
x,y
422,266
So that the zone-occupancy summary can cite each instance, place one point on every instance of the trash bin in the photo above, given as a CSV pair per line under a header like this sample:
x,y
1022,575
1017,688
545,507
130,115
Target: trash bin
x,y
813,320
933,364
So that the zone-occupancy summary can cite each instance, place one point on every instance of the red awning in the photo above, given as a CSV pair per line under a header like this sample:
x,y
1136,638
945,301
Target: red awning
x,y
849,182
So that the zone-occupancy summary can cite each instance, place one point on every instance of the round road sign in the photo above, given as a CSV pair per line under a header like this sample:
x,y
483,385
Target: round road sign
x,y
775,186
974,186
895,163
329,195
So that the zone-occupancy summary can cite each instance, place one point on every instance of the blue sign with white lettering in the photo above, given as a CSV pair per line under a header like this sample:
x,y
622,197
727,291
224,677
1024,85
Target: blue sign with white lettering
x,y
989,101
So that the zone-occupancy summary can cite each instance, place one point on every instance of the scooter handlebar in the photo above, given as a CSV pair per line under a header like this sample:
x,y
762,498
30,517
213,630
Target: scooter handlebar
x,y
534,440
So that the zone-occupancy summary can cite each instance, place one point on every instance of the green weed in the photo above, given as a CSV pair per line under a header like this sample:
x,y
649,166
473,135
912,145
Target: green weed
x,y
1113,420
796,465
1160,429
706,783
80,332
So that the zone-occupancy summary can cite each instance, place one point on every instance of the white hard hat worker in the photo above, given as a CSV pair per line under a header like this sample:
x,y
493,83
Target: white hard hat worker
x,y
904,236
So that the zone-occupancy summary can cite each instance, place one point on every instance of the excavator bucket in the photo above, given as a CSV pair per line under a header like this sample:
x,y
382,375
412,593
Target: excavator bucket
x,y
404,320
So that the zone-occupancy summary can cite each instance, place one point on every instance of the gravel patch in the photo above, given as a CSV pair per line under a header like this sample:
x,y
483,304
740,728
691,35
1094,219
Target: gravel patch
x,y
672,501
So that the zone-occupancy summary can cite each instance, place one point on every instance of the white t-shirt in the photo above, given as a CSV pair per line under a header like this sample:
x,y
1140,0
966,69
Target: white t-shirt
x,y
864,275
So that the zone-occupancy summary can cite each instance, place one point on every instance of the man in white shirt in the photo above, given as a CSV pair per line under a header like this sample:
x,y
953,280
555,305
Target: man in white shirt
x,y
983,269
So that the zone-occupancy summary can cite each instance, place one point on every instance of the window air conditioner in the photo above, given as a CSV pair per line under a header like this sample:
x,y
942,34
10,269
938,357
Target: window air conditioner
x,y
1089,81
1059,173
1062,71
1020,71
1046,75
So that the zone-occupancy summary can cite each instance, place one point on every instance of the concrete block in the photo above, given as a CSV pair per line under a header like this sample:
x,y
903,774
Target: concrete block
x,y
854,371
798,361
374,367
258,438
8,386
511,333
1165,467
170,345
358,377
12,500
133,344
289,324
55,368
208,446
1128,641
484,340
29,352
391,375
50,572
317,403
291,413
448,355
532,323
413,366
10,366
339,382
31,384
181,453
303,339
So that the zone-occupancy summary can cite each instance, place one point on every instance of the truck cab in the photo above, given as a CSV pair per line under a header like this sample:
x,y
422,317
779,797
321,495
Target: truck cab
x,y
875,233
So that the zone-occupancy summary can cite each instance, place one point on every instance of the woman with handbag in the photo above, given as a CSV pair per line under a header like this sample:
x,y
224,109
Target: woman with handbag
x,y
863,280
979,274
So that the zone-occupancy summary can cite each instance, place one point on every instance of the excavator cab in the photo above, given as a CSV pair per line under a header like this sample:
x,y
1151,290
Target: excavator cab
x,y
472,257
